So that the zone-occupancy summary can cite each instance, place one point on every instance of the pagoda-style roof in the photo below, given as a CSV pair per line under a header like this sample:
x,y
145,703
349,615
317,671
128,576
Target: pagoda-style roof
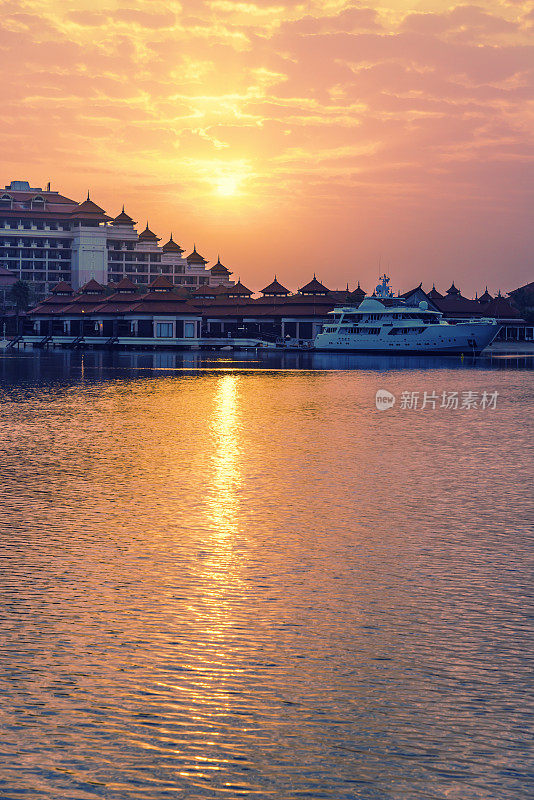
x,y
275,289
161,284
358,292
434,294
314,287
238,290
123,219
125,285
486,297
453,290
62,288
195,258
90,210
92,287
220,269
148,236
172,247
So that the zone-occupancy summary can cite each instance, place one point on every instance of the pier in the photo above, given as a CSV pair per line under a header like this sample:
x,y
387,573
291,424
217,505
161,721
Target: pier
x,y
135,343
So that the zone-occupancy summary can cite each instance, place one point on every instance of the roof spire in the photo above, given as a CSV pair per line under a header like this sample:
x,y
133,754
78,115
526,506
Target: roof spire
x,y
122,208
88,195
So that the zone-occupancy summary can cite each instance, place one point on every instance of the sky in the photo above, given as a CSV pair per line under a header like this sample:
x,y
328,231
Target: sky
x,y
291,138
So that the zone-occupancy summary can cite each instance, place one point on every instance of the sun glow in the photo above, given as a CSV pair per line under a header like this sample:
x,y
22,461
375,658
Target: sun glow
x,y
228,185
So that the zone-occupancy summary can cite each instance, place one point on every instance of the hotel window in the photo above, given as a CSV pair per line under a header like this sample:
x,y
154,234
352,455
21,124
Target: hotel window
x,y
164,330
189,330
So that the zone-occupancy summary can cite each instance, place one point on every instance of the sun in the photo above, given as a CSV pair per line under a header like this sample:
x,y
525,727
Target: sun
x,y
227,185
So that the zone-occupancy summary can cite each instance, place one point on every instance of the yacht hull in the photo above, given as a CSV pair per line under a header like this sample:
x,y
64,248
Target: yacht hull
x,y
464,338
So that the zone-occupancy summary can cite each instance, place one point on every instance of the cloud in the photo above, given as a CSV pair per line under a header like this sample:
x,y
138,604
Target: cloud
x,y
320,106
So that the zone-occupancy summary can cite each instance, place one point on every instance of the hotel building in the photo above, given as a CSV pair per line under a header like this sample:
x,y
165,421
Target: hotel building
x,y
47,238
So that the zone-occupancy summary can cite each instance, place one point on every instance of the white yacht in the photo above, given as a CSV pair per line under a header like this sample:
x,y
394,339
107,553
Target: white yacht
x,y
385,324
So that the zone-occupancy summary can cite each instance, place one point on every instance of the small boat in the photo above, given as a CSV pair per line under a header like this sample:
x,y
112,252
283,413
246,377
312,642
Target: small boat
x,y
383,323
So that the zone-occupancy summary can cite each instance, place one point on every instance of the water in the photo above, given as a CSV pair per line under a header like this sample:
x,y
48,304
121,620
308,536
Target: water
x,y
239,579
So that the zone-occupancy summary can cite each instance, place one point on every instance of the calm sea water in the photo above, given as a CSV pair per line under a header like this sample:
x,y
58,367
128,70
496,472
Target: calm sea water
x,y
239,579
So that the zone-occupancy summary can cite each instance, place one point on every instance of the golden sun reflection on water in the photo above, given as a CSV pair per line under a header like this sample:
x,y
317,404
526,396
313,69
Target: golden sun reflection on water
x,y
217,662
223,500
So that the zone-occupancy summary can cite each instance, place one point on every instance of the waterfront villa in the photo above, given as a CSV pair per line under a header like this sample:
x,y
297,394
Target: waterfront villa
x,y
96,313
167,314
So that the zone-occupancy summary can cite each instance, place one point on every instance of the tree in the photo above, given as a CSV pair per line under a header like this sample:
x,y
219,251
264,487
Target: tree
x,y
523,300
20,294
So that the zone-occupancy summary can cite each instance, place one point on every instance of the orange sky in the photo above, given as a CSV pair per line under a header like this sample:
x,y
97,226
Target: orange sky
x,y
291,137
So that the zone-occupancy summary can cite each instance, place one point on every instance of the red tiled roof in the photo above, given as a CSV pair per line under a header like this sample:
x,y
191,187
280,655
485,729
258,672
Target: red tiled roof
x,y
458,306
125,285
220,269
251,311
238,290
409,293
167,306
275,288
358,292
161,282
501,308
62,288
92,286
55,203
313,287
123,219
147,236
81,305
90,210
195,258
172,247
